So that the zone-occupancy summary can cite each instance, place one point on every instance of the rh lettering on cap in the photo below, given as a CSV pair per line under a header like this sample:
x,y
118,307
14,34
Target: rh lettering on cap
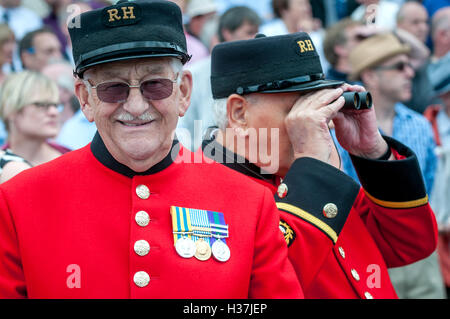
x,y
127,13
120,15
305,45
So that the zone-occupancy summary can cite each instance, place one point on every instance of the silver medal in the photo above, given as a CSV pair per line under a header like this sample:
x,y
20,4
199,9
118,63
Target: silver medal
x,y
185,247
220,251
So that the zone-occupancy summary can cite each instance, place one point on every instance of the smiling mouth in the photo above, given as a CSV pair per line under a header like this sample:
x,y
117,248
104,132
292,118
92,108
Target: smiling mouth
x,y
134,124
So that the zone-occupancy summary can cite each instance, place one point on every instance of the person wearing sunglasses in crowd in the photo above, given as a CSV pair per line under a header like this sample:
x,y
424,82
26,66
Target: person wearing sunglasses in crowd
x,y
383,64
129,216
29,108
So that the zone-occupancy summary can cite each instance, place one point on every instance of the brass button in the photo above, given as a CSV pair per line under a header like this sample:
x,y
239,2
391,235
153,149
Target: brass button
x,y
355,274
142,192
141,247
282,190
141,279
330,210
341,252
142,218
368,295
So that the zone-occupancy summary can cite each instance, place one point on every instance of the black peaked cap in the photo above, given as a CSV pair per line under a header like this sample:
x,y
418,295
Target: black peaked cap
x,y
128,30
285,63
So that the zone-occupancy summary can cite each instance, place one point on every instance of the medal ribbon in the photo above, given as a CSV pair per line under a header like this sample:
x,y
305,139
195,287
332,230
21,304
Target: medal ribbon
x,y
181,223
219,229
200,224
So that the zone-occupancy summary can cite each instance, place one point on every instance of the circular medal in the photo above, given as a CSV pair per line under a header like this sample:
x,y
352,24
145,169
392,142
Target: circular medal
x,y
203,251
185,247
220,251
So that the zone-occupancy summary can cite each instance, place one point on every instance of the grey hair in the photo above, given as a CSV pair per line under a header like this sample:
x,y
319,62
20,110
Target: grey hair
x,y
220,113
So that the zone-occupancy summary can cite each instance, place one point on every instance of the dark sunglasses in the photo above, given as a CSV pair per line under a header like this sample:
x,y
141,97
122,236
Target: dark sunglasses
x,y
118,92
400,66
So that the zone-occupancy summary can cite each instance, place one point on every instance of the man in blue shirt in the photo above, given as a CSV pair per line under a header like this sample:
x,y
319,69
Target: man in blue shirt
x,y
382,63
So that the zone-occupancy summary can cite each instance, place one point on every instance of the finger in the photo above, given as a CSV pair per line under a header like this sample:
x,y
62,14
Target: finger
x,y
331,110
352,88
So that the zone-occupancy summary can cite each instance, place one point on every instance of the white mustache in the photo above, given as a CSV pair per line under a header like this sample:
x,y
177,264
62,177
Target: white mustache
x,y
127,117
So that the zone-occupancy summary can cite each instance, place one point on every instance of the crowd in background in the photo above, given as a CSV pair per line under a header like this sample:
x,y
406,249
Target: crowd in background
x,y
399,50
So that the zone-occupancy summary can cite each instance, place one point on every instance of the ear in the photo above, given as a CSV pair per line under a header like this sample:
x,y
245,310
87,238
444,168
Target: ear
x,y
185,89
82,94
237,107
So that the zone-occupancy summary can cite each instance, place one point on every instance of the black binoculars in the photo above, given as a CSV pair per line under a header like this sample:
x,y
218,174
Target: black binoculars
x,y
357,100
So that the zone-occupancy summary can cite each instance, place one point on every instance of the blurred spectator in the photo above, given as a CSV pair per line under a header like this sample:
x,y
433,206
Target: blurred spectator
x,y
195,47
413,17
439,116
199,12
340,39
28,106
62,73
293,16
38,48
76,131
20,19
382,13
383,65
11,165
67,20
7,47
237,23
440,33
262,7
52,20
412,21
331,11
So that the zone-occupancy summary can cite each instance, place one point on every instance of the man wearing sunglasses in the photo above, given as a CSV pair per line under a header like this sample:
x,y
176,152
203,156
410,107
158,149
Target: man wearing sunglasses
x,y
271,98
129,216
382,63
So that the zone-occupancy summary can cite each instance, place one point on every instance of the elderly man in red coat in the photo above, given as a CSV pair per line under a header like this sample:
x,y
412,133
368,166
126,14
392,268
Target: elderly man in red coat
x,y
123,217
273,110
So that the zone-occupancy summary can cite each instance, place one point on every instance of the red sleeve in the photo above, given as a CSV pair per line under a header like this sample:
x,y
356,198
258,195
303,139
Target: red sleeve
x,y
394,206
12,281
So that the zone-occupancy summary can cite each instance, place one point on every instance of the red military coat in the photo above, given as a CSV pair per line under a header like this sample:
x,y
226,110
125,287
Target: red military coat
x,y
69,229
343,237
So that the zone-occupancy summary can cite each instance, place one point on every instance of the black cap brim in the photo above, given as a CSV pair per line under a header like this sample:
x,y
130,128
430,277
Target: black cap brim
x,y
310,86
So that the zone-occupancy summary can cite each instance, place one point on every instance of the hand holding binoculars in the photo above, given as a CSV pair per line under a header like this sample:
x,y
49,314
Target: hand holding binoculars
x,y
357,100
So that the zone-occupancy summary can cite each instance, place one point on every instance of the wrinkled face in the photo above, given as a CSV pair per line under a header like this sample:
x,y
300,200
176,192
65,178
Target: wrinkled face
x,y
415,21
266,114
136,129
394,78
39,119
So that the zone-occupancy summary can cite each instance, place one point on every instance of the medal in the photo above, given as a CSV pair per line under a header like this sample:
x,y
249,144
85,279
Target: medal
x,y
185,247
203,251
220,251
219,231
200,233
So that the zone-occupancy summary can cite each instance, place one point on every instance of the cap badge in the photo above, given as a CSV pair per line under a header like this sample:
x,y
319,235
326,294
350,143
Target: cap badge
x,y
122,14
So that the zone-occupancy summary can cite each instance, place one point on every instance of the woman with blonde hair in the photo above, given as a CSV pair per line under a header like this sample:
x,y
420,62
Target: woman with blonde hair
x,y
29,107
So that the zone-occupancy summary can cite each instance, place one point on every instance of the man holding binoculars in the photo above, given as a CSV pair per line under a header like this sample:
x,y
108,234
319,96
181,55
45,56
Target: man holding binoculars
x,y
273,110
